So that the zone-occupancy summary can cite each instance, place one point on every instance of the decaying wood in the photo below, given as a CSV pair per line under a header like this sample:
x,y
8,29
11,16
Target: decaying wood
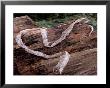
x,y
80,63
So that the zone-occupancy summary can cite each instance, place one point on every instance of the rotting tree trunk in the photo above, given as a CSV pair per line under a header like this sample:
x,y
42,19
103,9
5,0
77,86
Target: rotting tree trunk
x,y
80,63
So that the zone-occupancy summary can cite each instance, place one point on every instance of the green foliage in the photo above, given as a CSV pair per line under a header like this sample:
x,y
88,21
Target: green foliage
x,y
51,23
52,19
45,23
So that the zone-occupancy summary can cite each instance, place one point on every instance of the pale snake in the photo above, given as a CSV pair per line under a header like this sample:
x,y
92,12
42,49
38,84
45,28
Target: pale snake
x,y
64,56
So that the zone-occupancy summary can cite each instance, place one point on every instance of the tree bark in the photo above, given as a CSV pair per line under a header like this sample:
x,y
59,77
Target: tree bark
x,y
80,63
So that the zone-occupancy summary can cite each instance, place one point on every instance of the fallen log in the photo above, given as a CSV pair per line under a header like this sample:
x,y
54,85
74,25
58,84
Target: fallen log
x,y
80,63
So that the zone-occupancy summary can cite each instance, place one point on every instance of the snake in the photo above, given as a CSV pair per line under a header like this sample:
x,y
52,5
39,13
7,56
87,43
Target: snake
x,y
63,56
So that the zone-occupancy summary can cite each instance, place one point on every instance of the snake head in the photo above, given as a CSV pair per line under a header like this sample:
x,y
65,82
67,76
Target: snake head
x,y
56,71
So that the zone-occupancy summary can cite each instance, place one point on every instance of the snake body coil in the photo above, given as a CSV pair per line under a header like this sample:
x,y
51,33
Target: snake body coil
x,y
64,56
